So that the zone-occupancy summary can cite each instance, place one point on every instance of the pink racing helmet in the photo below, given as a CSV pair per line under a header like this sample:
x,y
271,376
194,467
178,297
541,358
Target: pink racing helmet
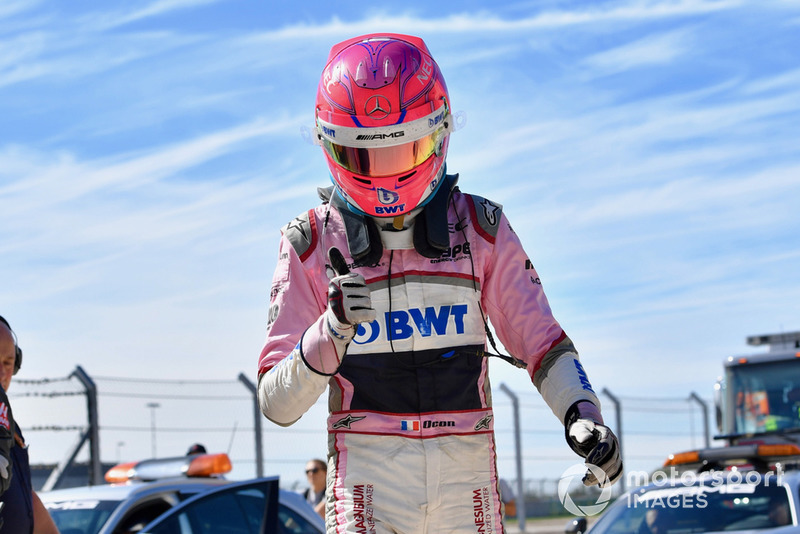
x,y
383,121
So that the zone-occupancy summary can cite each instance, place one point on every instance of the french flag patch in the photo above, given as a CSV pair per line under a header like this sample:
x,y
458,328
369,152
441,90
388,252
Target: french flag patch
x,y
410,425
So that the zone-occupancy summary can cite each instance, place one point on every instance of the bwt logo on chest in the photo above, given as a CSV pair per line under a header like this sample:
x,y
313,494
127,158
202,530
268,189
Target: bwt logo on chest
x,y
403,324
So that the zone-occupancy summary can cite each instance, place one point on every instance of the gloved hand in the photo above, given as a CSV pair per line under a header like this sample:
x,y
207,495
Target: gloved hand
x,y
591,439
349,301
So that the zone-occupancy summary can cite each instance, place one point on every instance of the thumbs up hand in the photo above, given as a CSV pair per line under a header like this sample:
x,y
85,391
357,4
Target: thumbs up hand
x,y
348,295
349,298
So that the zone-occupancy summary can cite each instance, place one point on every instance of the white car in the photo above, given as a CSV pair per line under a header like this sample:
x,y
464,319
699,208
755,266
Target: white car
x,y
183,495
742,489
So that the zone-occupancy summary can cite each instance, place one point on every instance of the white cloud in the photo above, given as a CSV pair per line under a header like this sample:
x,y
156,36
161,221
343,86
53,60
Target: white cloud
x,y
65,55
650,51
129,170
107,20
484,21
692,195
10,8
784,81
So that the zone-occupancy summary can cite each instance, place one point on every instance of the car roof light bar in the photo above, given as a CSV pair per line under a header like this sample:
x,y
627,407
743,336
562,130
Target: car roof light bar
x,y
720,455
196,465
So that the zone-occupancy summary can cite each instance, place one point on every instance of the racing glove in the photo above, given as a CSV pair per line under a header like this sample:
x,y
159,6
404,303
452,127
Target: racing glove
x,y
590,438
349,301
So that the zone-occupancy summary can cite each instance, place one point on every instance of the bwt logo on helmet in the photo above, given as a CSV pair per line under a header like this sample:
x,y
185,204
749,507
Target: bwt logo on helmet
x,y
402,324
386,196
389,210
436,120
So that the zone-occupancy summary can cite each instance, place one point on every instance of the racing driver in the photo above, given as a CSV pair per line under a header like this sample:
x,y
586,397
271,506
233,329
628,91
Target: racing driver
x,y
382,295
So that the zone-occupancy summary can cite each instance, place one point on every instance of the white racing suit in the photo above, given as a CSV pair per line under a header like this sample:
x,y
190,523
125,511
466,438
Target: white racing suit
x,y
411,443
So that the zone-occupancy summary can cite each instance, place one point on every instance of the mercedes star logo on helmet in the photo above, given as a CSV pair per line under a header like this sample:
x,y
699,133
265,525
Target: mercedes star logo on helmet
x,y
378,107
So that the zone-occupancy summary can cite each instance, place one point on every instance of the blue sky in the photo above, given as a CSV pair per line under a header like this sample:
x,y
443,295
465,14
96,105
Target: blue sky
x,y
646,152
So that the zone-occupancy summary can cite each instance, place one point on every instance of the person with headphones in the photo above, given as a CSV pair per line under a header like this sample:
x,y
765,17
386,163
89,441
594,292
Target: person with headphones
x,y
23,512
382,296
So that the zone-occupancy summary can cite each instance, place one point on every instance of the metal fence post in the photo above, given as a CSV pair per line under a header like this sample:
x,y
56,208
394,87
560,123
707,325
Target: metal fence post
x,y
704,405
95,467
518,452
257,419
618,410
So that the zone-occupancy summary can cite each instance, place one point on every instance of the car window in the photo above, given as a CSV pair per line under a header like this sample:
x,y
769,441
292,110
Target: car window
x,y
671,510
231,510
136,519
80,516
291,522
220,514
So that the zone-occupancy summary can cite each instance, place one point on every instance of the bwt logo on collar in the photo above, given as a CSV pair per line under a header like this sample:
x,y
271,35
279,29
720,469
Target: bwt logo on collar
x,y
403,324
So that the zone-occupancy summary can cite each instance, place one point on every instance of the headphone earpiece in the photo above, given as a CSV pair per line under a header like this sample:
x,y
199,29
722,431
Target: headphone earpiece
x,y
17,350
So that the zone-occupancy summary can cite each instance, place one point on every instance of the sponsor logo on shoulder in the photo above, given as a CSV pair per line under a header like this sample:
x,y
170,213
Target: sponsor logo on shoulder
x,y
274,310
528,267
297,224
274,291
490,211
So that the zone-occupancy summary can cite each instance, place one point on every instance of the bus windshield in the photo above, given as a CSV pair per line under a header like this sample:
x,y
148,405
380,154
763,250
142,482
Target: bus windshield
x,y
765,396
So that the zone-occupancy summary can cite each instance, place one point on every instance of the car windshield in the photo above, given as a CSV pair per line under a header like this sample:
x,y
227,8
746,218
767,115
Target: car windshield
x,y
81,517
687,509
765,396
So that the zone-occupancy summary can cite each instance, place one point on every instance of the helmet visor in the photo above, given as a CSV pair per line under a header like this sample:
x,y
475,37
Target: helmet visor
x,y
385,160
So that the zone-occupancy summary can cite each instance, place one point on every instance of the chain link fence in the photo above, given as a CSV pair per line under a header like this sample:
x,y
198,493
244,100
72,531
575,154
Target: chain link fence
x,y
148,417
